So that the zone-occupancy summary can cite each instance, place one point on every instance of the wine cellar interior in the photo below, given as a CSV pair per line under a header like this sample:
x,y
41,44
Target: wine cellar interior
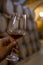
x,y
22,20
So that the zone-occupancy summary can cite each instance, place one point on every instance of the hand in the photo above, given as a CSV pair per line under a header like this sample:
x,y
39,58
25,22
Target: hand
x,y
6,45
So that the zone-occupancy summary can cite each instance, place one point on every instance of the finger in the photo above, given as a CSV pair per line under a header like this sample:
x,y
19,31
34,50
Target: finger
x,y
11,39
11,45
15,51
7,40
10,48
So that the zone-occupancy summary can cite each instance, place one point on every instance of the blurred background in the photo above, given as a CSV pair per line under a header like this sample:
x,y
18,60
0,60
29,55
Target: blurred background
x,y
36,10
37,6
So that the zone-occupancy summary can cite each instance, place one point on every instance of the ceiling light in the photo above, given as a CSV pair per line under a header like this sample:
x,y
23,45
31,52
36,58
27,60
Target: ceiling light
x,y
41,14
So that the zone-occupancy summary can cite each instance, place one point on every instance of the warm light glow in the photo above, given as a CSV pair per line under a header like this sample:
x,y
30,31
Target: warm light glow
x,y
41,14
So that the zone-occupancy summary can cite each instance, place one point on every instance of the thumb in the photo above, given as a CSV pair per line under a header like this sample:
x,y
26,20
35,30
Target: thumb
x,y
11,45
